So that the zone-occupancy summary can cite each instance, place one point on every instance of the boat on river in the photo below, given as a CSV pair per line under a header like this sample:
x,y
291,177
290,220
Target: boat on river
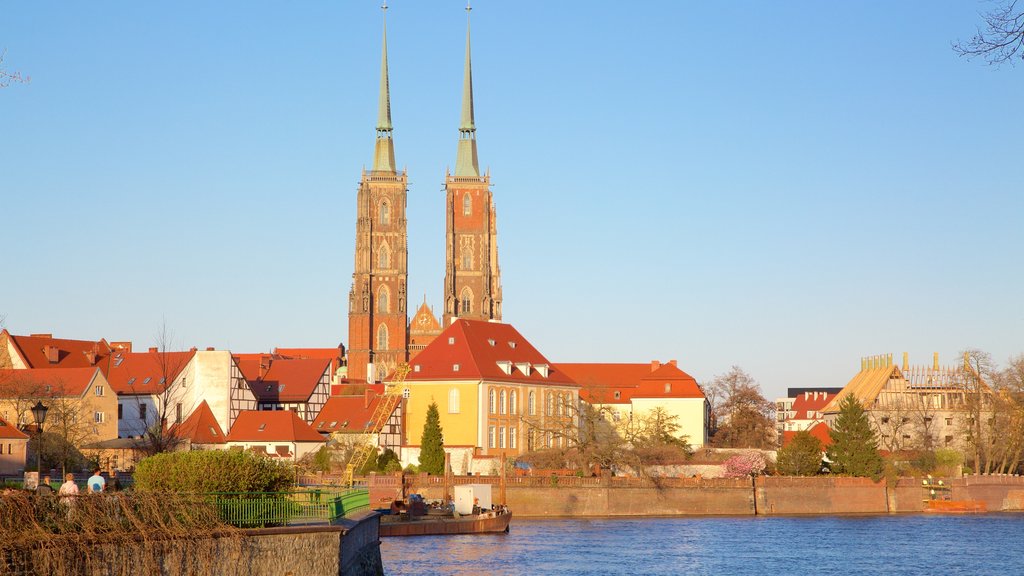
x,y
441,522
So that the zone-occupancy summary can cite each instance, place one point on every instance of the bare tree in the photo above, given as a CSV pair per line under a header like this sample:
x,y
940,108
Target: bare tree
x,y
978,369
1001,39
10,77
168,400
743,417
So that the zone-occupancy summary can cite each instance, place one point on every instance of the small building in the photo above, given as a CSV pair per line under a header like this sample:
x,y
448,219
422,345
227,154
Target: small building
x,y
299,385
784,406
82,406
628,391
200,431
276,434
45,351
349,420
806,413
13,449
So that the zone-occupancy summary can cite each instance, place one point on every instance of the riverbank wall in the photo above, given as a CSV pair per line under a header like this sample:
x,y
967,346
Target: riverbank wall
x,y
768,495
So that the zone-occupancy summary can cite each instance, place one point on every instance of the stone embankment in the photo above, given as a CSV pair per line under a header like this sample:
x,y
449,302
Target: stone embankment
x,y
772,495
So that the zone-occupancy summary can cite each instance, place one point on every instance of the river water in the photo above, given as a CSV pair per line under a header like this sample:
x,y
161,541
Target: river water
x,y
930,545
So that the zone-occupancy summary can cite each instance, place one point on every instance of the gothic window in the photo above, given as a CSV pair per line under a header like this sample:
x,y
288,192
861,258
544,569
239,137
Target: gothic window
x,y
453,401
467,259
384,257
466,251
467,205
385,212
382,337
467,301
490,401
383,300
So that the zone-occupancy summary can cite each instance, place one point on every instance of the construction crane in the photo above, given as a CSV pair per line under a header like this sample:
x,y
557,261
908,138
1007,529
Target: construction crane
x,y
386,405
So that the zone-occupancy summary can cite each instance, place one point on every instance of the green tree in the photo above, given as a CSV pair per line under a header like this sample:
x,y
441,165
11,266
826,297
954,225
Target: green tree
x,y
432,443
854,449
801,456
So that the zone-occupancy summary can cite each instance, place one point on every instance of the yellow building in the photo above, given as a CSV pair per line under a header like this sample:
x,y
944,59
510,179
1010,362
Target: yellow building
x,y
82,407
497,397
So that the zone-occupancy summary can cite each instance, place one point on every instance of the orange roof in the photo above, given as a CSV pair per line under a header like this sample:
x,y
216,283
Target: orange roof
x,y
45,351
810,402
301,353
53,381
271,426
200,427
478,350
819,431
290,380
146,372
11,432
352,413
620,383
253,366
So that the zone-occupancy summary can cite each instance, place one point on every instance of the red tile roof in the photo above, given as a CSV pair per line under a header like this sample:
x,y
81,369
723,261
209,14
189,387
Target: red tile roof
x,y
271,426
290,380
10,431
601,382
200,427
352,414
479,349
45,351
145,372
813,402
253,366
819,431
69,382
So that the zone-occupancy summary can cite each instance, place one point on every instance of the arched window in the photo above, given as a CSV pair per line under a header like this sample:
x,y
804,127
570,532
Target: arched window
x,y
549,406
512,437
490,400
384,257
382,337
502,399
531,403
385,212
467,205
453,401
558,404
513,407
383,300
467,301
467,258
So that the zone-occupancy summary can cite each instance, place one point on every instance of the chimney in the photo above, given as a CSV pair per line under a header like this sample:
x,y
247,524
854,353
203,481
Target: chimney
x,y
806,394
672,363
47,336
123,346
153,350
52,353
655,364
264,366
91,355
209,348
863,363
935,361
906,361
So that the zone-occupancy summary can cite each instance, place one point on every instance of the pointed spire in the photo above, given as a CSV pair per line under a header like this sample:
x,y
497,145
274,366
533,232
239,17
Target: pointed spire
x,y
466,161
384,153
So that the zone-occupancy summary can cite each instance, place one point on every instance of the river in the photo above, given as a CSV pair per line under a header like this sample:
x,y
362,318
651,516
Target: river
x,y
924,544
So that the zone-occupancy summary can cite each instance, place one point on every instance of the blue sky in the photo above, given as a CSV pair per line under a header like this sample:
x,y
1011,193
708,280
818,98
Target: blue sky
x,y
784,186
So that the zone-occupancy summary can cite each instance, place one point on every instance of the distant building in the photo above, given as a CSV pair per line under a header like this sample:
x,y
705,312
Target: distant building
x,y
302,386
45,351
633,390
13,449
348,420
784,406
275,434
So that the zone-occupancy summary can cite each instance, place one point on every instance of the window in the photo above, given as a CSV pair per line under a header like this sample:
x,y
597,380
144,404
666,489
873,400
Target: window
x,y
467,259
618,395
453,401
885,419
383,300
120,411
98,417
99,390
949,421
385,212
177,413
513,404
512,437
531,403
490,436
467,205
455,367
501,437
142,412
502,403
668,387
561,404
382,337
549,407
490,402
451,340
384,257
467,303
949,440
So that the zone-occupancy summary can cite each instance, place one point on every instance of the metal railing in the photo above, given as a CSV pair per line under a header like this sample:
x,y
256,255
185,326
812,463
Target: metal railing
x,y
299,507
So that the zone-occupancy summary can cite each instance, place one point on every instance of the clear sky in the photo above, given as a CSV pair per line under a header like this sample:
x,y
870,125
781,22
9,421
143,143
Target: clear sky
x,y
785,186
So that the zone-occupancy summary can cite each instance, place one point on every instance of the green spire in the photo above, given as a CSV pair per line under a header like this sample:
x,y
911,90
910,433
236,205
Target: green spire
x,y
384,152
466,161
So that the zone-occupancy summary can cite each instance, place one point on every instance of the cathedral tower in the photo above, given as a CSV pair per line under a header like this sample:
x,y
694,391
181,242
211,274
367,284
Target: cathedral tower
x,y
378,329
472,279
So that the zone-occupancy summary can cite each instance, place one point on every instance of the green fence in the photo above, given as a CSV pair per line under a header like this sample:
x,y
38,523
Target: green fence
x,y
263,509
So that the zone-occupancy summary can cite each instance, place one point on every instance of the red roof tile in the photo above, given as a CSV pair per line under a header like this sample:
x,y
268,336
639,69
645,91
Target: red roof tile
x,y
61,381
271,426
10,431
253,366
813,402
45,351
819,431
351,413
145,372
477,347
290,380
601,381
200,427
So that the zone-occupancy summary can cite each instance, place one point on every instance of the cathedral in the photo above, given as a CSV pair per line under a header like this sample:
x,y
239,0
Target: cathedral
x,y
380,334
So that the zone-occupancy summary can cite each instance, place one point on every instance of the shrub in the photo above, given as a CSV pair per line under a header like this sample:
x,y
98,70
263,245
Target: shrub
x,y
212,471
745,464
801,456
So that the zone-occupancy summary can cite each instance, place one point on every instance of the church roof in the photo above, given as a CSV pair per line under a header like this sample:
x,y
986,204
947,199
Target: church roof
x,y
424,320
480,350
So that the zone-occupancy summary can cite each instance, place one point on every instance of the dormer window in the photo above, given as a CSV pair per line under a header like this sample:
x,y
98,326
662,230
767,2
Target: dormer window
x,y
511,344
505,365
416,368
451,339
543,369
618,395
490,341
668,387
455,367
523,367
213,432
263,427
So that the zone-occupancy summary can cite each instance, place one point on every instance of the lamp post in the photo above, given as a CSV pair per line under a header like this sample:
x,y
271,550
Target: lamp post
x,y
39,413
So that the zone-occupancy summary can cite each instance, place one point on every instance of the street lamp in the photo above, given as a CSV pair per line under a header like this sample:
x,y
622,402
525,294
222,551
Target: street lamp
x,y
39,413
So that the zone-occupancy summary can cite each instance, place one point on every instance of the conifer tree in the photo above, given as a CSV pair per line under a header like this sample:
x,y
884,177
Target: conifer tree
x,y
432,443
801,456
854,449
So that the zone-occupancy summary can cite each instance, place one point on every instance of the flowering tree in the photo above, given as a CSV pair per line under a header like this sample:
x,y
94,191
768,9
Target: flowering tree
x,y
745,464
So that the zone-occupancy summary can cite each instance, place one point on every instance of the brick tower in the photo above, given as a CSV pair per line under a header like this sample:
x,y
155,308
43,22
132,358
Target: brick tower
x,y
472,279
378,329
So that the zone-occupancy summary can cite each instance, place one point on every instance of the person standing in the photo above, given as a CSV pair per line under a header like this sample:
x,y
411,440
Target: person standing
x,y
96,483
68,490
44,486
